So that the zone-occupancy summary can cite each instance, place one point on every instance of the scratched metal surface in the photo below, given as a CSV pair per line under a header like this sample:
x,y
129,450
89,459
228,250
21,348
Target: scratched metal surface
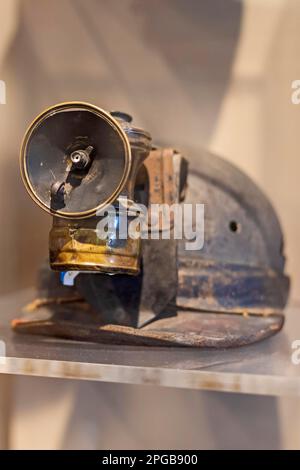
x,y
264,368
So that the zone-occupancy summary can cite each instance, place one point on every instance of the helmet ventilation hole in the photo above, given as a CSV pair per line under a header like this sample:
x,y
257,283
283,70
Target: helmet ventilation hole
x,y
234,226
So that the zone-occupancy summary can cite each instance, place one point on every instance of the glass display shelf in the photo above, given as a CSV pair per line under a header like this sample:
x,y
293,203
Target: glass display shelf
x,y
264,368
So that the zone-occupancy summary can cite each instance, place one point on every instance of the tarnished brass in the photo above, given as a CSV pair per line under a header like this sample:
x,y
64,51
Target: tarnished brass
x,y
76,160
29,139
76,246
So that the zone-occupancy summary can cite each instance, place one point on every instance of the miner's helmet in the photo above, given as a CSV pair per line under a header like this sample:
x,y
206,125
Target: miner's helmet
x,y
229,291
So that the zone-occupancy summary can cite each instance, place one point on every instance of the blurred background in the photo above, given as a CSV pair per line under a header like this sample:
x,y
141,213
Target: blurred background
x,y
195,73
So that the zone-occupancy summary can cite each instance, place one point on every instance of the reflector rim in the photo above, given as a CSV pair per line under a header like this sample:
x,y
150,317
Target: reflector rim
x,y
23,153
